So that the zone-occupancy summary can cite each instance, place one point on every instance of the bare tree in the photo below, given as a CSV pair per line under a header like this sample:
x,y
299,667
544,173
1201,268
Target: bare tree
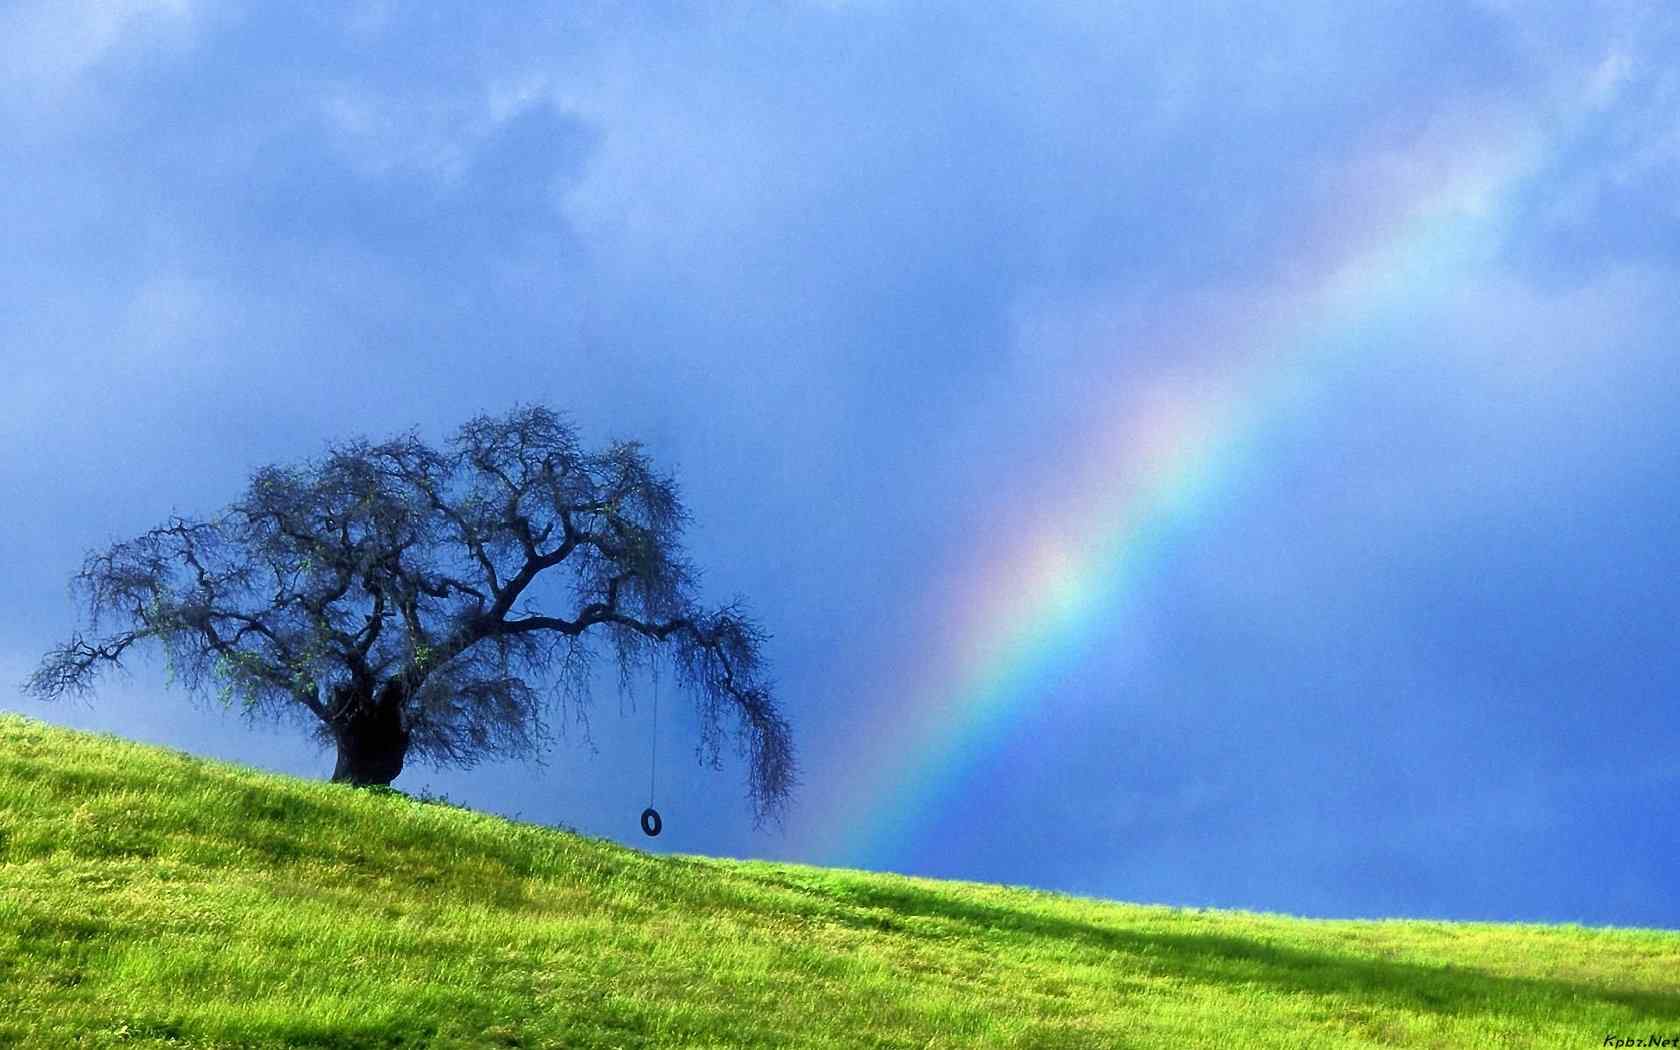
x,y
403,601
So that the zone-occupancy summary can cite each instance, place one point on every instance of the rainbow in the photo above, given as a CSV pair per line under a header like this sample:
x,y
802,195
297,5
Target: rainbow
x,y
1021,612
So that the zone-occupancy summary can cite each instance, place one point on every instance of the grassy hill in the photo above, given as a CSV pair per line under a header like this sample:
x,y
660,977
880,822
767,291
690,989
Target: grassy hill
x,y
152,899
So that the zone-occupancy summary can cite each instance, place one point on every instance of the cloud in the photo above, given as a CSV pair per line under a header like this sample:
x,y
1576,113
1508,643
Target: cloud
x,y
50,47
1610,94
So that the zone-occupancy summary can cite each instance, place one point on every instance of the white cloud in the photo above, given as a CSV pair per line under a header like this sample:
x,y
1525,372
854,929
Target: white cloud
x,y
435,131
678,164
1612,96
50,43
174,321
369,18
378,134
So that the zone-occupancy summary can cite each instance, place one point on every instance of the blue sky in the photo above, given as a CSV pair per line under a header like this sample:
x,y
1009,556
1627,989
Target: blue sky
x,y
881,283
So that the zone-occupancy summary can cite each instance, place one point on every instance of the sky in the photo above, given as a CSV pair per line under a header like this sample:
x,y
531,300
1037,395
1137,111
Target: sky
x,y
1219,457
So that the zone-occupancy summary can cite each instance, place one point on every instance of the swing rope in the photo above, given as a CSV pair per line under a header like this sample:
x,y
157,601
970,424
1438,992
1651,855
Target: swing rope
x,y
653,748
652,824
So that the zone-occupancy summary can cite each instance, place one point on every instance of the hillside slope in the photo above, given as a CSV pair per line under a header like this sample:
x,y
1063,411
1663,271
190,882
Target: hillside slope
x,y
148,898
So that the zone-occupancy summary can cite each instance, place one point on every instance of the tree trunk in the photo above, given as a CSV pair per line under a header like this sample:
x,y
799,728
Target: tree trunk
x,y
371,745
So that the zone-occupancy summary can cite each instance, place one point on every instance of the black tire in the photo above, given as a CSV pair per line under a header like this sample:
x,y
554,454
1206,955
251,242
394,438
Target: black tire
x,y
651,824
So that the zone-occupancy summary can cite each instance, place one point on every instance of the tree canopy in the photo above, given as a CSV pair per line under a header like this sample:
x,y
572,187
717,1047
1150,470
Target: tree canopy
x,y
411,602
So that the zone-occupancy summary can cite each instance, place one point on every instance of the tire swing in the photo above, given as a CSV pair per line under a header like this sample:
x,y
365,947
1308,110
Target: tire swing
x,y
652,824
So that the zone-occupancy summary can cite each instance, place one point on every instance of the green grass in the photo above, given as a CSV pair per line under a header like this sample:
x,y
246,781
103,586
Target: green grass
x,y
152,899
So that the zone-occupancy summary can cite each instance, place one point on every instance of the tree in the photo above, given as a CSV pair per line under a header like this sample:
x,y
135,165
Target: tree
x,y
402,600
